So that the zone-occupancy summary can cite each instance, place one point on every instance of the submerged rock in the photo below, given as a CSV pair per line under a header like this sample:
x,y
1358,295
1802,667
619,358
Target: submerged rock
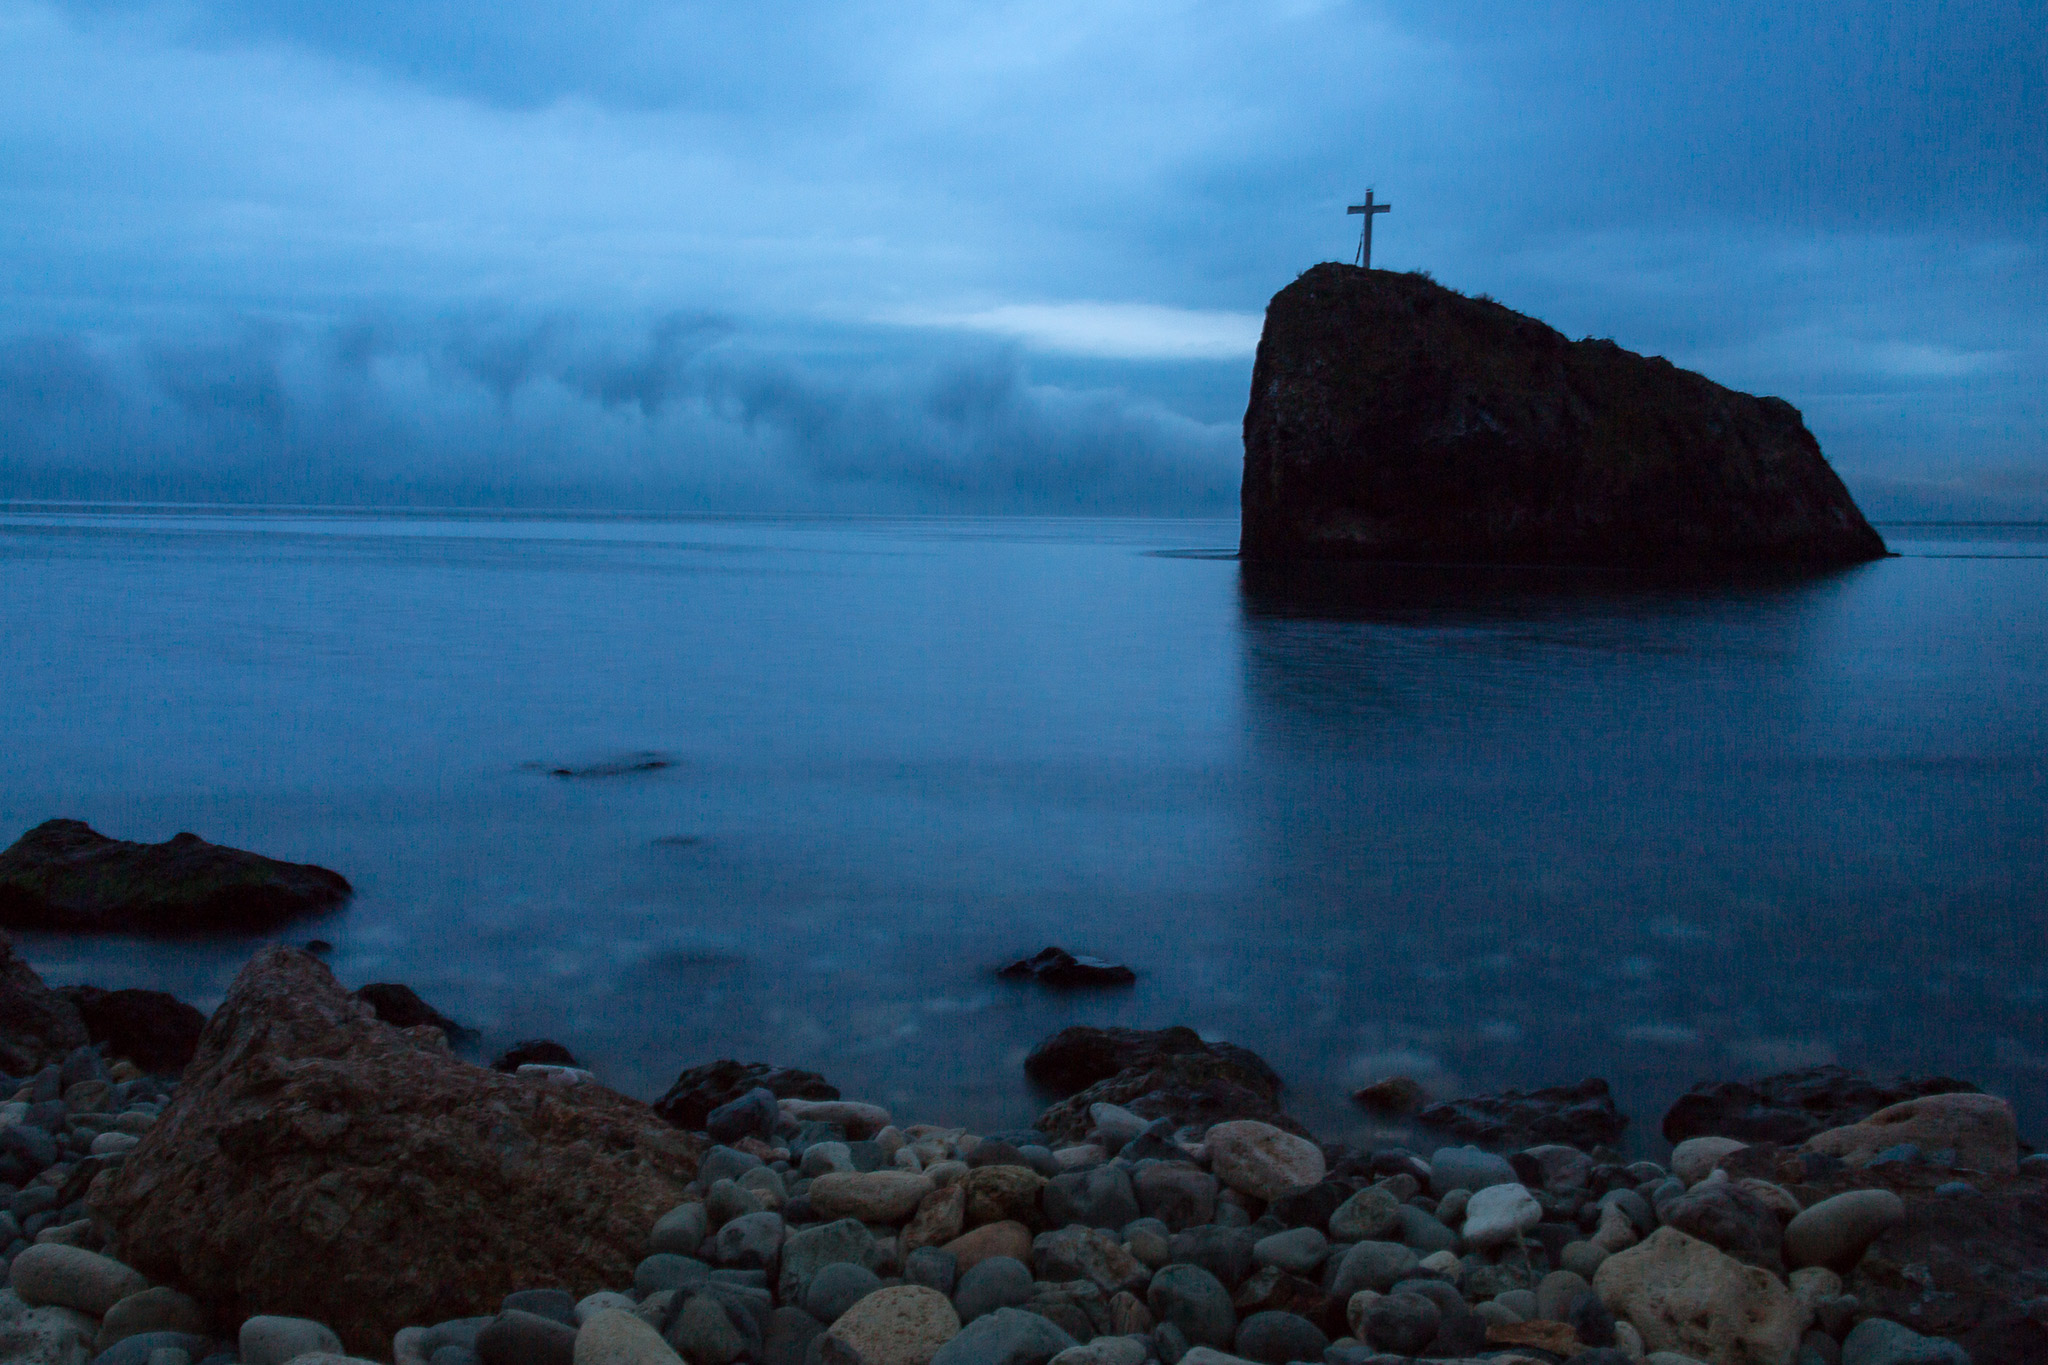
x,y
65,875
1792,1106
1392,418
319,1163
154,1029
1058,967
619,765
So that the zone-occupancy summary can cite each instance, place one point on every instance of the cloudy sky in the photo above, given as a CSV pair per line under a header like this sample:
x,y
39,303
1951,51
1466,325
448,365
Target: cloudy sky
x,y
979,257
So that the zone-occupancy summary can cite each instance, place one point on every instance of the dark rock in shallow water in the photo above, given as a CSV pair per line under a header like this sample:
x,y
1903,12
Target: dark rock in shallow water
x,y
701,1089
1081,1055
38,1026
534,1052
1582,1115
153,1029
1792,1106
1395,1095
1058,967
401,1007
64,875
1155,1073
622,765
1394,419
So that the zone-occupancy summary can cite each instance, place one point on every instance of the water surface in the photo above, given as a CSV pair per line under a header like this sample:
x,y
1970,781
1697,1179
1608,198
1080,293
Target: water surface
x,y
1485,828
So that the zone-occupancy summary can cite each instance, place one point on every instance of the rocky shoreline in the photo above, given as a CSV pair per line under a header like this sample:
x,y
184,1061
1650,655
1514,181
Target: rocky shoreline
x,y
318,1184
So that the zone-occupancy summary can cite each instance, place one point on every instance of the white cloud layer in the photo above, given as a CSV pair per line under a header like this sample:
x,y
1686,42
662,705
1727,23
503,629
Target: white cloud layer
x,y
1111,331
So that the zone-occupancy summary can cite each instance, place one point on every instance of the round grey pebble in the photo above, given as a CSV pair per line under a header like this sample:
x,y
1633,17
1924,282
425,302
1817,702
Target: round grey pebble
x,y
1196,1302
1372,1265
1297,1251
666,1270
1276,1338
932,1267
998,1282
1402,1323
681,1230
838,1287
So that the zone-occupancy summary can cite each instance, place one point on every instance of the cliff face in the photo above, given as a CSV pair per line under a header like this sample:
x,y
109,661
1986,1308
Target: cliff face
x,y
1392,418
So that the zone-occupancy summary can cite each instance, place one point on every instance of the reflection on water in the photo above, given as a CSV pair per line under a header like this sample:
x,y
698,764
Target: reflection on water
x,y
1485,827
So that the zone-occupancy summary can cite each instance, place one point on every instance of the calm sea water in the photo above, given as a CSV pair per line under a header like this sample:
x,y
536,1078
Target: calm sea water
x,y
1483,828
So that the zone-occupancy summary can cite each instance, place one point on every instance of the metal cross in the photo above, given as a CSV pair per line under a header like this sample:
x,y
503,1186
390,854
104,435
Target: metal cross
x,y
1368,208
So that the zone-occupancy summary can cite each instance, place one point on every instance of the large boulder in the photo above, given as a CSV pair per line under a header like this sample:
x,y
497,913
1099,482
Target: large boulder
x,y
319,1163
1582,1115
1976,1132
1394,419
65,875
37,1025
1683,1295
153,1029
1792,1106
1958,1262
1168,1073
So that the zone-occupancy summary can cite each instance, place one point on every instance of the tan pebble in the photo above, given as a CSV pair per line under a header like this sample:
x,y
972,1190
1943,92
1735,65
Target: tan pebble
x,y
940,1217
871,1196
904,1325
613,1336
1695,1158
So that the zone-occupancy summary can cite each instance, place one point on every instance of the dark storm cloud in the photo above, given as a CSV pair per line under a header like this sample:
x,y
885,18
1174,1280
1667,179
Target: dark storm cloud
x,y
511,411
631,226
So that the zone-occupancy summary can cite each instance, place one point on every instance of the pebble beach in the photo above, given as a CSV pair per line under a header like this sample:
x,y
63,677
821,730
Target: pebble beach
x,y
832,1231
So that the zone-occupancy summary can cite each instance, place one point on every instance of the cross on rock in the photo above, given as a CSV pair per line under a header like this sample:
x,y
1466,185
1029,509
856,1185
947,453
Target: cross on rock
x,y
1368,208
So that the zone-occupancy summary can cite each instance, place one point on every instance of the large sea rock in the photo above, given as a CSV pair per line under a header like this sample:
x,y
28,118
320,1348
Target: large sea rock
x,y
64,874
319,1163
1394,419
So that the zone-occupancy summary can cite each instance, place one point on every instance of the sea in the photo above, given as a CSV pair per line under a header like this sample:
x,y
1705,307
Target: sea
x,y
675,788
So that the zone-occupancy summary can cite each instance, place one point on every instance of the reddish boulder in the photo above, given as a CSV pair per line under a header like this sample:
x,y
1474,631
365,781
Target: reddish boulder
x,y
319,1163
37,1025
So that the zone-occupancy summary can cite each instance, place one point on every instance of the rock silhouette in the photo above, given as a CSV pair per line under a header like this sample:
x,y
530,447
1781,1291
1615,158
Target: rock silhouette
x,y
65,875
1394,419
